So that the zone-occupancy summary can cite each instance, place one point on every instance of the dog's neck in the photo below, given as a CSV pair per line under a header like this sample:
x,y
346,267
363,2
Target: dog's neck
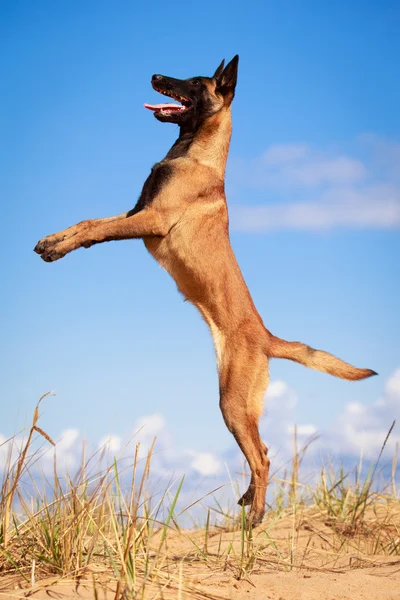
x,y
207,142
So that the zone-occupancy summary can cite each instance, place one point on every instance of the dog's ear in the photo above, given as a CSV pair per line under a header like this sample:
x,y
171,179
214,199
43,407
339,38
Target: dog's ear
x,y
218,72
226,81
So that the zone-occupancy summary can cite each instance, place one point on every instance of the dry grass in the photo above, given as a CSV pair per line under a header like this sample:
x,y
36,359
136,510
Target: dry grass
x,y
90,529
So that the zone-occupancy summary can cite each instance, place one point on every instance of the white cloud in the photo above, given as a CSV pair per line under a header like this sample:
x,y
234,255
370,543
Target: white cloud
x,y
206,463
67,452
361,428
330,190
152,425
336,170
375,208
280,398
277,421
8,450
67,440
277,388
385,155
111,443
302,430
281,154
392,388
149,427
288,166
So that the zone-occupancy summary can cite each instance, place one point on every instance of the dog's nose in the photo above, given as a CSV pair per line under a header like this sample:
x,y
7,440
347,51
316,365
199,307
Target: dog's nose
x,y
156,77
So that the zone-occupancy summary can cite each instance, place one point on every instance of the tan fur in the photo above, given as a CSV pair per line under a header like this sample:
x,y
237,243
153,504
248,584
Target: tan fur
x,y
315,359
185,228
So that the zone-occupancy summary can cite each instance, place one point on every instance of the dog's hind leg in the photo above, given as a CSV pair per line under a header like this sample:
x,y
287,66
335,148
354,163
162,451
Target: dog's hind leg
x,y
243,381
248,495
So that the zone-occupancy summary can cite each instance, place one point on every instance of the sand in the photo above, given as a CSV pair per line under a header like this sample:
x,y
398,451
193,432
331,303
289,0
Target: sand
x,y
301,557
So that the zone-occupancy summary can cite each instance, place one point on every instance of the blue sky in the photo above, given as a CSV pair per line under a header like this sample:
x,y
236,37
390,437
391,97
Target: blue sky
x,y
313,187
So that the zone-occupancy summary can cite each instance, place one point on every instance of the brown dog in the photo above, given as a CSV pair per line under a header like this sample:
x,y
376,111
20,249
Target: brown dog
x,y
182,217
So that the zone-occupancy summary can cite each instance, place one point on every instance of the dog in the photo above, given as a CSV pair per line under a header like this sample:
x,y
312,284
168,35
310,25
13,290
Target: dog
x,y
182,217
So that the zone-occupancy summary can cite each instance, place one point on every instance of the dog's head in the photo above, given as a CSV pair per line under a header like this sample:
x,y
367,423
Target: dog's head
x,y
198,97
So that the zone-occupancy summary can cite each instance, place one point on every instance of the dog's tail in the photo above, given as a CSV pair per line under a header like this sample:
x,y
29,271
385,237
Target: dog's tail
x,y
315,359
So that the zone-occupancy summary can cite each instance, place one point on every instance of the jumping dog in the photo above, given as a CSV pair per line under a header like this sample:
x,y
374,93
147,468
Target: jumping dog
x,y
182,217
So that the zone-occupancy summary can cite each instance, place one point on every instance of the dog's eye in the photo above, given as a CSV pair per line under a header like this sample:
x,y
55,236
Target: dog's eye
x,y
195,82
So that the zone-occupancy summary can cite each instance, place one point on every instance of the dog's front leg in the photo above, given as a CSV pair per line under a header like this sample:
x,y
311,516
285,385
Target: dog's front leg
x,y
87,233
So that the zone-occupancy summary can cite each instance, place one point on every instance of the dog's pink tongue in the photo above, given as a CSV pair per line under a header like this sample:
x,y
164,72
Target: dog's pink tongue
x,y
163,106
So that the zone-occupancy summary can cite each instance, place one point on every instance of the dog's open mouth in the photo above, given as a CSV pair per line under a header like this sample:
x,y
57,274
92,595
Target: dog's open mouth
x,y
167,109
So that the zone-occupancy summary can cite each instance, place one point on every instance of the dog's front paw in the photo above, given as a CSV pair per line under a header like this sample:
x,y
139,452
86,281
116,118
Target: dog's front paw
x,y
41,246
50,240
51,253
57,245
50,249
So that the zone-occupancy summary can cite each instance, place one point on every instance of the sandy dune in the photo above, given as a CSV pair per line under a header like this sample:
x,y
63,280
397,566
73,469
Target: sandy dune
x,y
301,557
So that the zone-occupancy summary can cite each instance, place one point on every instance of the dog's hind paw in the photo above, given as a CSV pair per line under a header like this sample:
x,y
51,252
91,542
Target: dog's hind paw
x,y
254,518
247,498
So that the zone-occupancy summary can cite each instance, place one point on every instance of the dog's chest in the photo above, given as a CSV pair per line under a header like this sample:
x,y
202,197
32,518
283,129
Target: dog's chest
x,y
160,175
176,253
